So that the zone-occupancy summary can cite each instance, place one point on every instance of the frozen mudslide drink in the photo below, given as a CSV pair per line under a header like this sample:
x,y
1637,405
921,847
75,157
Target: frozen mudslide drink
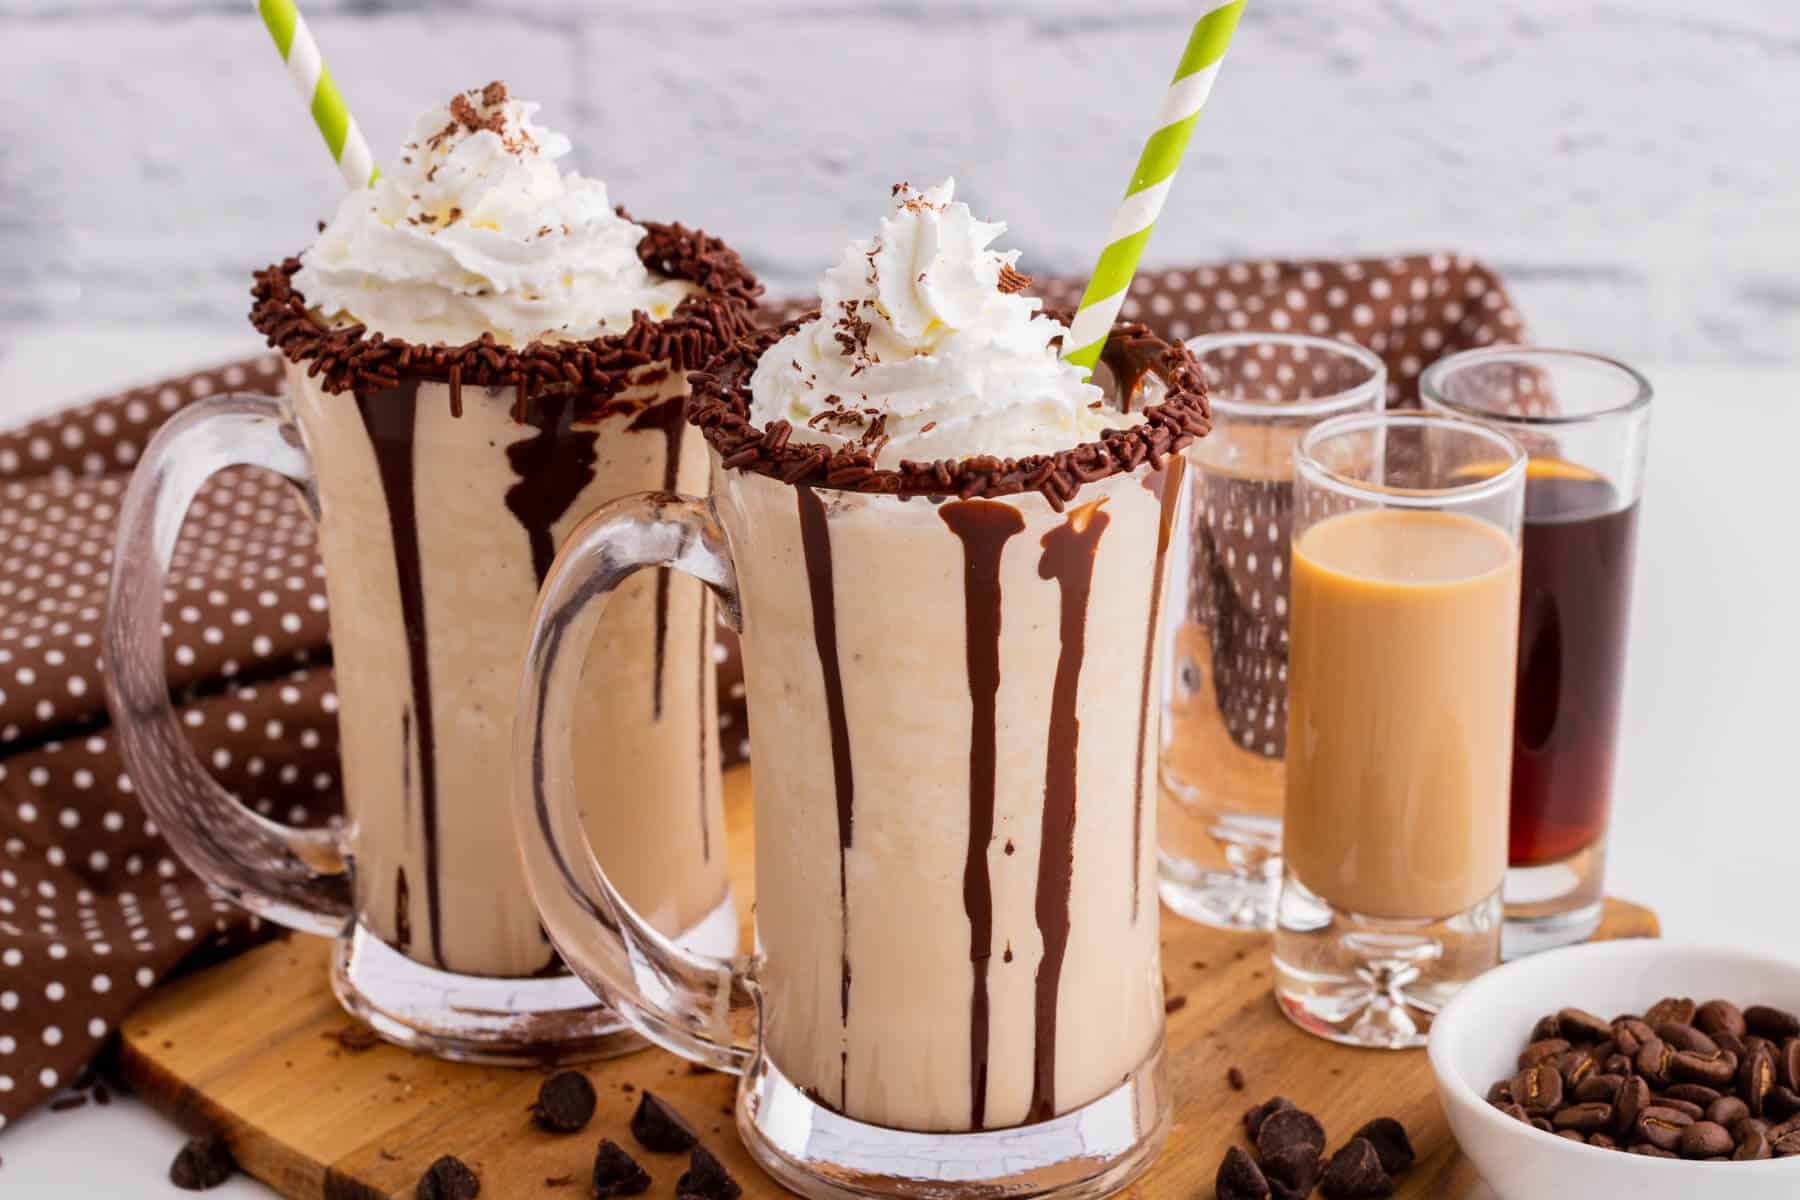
x,y
482,351
944,547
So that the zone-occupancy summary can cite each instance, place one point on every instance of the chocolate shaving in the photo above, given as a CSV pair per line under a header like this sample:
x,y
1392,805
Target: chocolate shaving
x,y
1011,280
720,407
348,357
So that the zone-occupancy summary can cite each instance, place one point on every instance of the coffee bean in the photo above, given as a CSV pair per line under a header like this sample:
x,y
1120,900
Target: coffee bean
x,y
1239,1178
565,1102
1253,1117
1580,1025
1633,1098
1684,1037
1787,1063
1776,1024
1693,1093
1629,1034
1784,1138
202,1164
1704,1139
1731,1042
1617,1064
1575,1066
1660,1126
1585,1118
1289,1127
1500,1093
1516,1111
1756,1076
449,1178
1598,1087
1748,1125
1542,1123
1715,1069
1650,1151
1753,1148
659,1128
1727,1110
1292,1173
1388,1136
1541,1051
1355,1172
1693,1111
1539,1088
1603,1141
1679,1009
1720,1016
1569,1135
616,1173
1652,1061
706,1179
1781,1103
1546,1028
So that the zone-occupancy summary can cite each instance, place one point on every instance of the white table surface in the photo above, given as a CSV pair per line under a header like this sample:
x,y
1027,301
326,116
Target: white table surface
x,y
1707,820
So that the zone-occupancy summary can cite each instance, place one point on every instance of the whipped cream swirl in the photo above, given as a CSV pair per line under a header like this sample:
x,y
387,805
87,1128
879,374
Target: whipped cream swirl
x,y
925,349
474,228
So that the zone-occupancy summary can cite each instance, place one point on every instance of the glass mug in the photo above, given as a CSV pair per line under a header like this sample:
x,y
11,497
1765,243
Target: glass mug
x,y
1224,714
1403,628
956,989
421,496
1584,422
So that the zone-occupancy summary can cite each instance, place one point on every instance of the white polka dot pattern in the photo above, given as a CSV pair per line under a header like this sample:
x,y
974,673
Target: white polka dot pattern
x,y
93,908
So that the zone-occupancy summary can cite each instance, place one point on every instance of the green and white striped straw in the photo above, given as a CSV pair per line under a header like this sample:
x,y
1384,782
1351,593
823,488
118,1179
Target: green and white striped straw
x,y
1150,184
301,53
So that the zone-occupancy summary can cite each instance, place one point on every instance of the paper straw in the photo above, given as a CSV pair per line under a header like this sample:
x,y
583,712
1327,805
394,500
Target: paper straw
x,y
1150,184
301,53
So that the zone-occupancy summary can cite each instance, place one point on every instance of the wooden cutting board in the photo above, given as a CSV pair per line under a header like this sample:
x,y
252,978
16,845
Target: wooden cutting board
x,y
252,1048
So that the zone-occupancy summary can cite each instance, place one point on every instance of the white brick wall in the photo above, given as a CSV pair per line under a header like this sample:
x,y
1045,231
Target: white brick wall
x,y
1630,165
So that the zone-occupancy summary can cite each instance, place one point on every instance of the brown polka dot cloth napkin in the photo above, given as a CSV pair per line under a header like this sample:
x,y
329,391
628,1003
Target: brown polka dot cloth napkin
x,y
93,908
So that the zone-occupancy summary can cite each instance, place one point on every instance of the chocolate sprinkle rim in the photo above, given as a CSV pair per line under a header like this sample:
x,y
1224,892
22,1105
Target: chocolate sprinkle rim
x,y
349,357
720,408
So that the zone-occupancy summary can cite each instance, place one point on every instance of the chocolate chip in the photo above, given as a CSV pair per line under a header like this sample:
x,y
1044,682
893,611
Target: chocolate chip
x,y
1239,1178
1292,1173
1703,1139
616,1173
1773,1023
1720,1016
1580,1025
1354,1172
202,1164
706,1179
1671,1008
1235,1077
449,1178
565,1102
1289,1127
1388,1136
1254,1117
659,1128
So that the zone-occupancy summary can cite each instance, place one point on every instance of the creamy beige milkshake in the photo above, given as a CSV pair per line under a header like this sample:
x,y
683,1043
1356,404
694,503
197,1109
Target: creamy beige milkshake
x,y
955,779
482,352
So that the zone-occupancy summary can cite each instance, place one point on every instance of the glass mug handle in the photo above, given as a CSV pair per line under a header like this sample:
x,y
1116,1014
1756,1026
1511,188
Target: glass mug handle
x,y
297,877
697,1005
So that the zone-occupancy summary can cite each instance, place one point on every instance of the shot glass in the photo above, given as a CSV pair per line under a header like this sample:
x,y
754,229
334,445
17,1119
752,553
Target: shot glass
x,y
1403,628
1225,623
1584,422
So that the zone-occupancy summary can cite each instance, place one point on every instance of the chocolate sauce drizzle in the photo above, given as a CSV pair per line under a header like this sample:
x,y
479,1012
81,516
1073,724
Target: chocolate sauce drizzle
x,y
553,467
668,417
390,417
983,526
815,541
1069,551
402,910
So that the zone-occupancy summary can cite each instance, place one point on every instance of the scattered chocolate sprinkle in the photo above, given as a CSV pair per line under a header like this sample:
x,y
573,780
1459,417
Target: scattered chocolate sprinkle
x,y
616,1173
703,324
1011,280
1174,1004
202,1164
721,404
706,1179
659,1128
355,1038
449,1178
65,1103
558,1181
1235,1077
565,1102
102,1095
493,95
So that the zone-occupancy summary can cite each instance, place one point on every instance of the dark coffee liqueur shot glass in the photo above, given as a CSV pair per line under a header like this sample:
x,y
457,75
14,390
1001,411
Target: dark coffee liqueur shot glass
x,y
1584,422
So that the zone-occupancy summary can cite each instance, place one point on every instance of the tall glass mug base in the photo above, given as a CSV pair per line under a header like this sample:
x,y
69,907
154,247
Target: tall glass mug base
x,y
1221,869
1554,904
1369,981
492,1022
1093,1151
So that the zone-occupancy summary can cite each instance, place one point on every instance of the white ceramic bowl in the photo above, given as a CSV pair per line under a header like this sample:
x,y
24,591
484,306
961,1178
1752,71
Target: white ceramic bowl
x,y
1477,1039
